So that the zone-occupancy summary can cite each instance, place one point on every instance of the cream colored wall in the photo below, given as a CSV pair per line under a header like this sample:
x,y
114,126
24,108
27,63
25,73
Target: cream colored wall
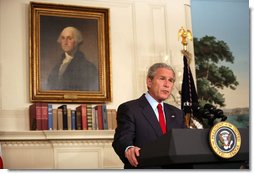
x,y
142,32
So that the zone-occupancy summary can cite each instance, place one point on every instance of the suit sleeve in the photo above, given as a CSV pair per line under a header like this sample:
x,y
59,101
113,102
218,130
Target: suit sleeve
x,y
125,131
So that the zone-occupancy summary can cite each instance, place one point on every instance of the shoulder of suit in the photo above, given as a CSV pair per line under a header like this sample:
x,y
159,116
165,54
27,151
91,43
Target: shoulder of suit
x,y
171,106
134,102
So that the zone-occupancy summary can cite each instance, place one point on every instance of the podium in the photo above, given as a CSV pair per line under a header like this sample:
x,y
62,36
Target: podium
x,y
190,149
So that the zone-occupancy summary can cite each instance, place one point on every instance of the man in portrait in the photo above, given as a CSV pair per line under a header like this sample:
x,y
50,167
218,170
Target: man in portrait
x,y
74,71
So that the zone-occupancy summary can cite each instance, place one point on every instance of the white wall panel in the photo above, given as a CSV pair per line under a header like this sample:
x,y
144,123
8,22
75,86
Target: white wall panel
x,y
80,158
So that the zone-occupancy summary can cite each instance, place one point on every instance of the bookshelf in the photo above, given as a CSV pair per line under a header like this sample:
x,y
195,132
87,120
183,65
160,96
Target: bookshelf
x,y
59,149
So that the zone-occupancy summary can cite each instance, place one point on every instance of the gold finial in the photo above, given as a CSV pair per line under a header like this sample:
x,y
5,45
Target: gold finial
x,y
185,34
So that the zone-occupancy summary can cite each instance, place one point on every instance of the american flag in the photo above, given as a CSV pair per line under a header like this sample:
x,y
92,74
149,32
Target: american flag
x,y
188,92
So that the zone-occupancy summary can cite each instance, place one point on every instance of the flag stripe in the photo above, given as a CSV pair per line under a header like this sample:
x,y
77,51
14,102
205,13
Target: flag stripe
x,y
1,163
1,160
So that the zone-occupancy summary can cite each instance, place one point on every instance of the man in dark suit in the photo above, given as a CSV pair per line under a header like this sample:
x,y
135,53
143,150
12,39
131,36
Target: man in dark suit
x,y
138,121
73,71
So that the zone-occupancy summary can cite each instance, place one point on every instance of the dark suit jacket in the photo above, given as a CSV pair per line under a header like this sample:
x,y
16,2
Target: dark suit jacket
x,y
137,125
80,74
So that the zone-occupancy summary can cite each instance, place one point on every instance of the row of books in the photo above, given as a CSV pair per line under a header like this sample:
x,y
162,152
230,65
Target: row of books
x,y
84,117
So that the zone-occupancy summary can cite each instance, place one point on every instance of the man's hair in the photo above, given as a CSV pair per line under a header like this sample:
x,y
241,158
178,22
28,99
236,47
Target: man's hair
x,y
76,33
153,69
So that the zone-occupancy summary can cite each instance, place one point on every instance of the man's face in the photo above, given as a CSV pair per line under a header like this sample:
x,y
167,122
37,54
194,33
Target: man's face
x,y
161,85
68,42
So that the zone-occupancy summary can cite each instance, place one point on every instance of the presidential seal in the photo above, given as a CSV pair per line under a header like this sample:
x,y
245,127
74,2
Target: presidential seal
x,y
225,139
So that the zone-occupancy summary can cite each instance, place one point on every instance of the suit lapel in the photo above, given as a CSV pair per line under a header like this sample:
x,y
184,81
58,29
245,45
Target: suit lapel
x,y
149,115
170,116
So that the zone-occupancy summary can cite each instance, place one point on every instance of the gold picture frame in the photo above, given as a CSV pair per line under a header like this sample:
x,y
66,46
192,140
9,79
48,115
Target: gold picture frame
x,y
87,78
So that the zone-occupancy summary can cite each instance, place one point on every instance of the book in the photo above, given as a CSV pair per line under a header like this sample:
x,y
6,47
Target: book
x,y
82,110
94,119
65,116
59,119
55,119
89,116
50,117
73,120
35,116
114,121
69,118
98,109
78,120
104,117
110,121
44,116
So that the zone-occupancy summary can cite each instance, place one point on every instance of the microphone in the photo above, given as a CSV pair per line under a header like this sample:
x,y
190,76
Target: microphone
x,y
210,107
219,114
201,113
209,112
205,114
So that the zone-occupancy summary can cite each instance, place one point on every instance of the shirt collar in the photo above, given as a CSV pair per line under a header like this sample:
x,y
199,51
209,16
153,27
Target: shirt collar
x,y
152,101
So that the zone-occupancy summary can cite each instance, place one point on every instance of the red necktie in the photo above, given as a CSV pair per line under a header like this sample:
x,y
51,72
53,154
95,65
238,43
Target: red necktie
x,y
161,119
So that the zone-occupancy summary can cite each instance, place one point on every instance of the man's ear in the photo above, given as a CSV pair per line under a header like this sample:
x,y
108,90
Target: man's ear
x,y
148,82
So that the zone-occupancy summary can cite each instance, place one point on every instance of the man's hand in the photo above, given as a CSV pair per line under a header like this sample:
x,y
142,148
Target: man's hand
x,y
131,155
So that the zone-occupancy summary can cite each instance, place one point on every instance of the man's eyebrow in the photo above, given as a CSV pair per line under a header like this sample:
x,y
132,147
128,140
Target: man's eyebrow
x,y
163,76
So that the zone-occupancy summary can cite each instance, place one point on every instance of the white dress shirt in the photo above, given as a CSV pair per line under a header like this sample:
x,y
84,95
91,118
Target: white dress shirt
x,y
154,105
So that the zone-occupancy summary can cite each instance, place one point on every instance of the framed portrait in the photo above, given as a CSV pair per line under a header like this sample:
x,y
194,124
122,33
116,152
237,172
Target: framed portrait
x,y
69,54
